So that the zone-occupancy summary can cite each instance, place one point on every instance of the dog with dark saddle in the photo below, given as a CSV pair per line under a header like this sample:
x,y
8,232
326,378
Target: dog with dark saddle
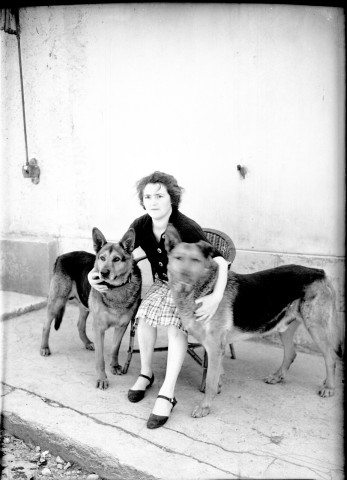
x,y
278,299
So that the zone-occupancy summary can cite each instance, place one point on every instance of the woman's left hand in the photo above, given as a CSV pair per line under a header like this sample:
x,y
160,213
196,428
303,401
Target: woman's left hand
x,y
207,307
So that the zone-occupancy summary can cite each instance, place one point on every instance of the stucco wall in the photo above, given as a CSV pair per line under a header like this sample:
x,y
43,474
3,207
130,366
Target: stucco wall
x,y
116,91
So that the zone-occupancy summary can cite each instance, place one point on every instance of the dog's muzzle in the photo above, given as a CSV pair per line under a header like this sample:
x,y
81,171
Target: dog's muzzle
x,y
105,274
182,286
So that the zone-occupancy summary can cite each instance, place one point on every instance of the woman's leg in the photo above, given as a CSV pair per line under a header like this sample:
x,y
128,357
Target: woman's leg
x,y
147,337
177,347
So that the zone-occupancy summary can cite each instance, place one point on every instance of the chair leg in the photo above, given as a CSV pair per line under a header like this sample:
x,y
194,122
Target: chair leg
x,y
204,372
232,351
193,354
131,345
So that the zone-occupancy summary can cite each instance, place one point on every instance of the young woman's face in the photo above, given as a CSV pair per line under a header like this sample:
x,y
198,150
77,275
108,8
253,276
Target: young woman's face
x,y
157,201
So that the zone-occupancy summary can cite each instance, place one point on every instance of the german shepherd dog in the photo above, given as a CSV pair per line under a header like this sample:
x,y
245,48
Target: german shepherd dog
x,y
278,299
114,308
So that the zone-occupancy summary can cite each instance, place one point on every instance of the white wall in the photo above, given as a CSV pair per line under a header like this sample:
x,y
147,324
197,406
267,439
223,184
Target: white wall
x,y
116,91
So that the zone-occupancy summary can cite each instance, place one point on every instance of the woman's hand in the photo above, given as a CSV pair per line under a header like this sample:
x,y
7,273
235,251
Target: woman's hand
x,y
207,307
94,280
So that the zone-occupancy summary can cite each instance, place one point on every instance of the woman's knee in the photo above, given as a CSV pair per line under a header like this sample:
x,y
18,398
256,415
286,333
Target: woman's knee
x,y
174,332
144,327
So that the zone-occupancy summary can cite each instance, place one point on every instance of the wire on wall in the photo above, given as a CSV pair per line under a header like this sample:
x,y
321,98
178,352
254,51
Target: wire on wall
x,y
9,22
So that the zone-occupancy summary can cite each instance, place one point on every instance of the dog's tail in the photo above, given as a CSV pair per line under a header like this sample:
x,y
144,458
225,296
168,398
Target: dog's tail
x,y
336,329
59,317
340,342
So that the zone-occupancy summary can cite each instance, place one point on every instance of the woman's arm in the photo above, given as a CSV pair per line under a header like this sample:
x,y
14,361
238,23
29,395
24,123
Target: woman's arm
x,y
208,305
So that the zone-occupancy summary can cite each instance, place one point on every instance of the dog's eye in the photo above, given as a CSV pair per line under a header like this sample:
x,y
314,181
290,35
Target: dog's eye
x,y
102,258
116,259
196,260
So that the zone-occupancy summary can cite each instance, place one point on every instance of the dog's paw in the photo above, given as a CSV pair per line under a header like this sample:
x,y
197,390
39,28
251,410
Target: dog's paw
x,y
45,351
116,370
90,346
102,384
326,392
200,411
275,378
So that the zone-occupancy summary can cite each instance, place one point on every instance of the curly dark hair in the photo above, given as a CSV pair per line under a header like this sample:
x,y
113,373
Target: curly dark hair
x,y
170,182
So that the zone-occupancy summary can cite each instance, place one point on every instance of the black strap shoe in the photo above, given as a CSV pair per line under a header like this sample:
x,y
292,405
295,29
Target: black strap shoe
x,y
135,396
156,421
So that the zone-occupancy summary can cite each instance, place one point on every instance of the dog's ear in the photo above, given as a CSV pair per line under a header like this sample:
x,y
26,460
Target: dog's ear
x,y
98,240
172,237
205,247
128,240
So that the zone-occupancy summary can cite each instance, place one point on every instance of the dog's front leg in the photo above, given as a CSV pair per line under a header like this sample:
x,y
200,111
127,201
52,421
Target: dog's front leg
x,y
99,335
116,369
213,378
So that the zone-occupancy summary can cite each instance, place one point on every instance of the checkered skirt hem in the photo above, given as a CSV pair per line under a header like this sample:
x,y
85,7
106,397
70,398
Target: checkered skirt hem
x,y
158,307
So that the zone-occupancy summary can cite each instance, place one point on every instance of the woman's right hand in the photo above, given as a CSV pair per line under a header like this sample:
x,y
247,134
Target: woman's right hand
x,y
94,280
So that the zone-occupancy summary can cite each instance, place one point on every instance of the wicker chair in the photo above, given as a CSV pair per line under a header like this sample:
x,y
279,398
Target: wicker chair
x,y
223,243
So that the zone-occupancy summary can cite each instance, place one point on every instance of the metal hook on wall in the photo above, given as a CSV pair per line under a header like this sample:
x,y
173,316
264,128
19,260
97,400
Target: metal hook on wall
x,y
242,170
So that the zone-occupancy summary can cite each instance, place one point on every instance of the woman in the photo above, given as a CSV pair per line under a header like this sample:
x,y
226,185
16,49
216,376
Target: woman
x,y
160,196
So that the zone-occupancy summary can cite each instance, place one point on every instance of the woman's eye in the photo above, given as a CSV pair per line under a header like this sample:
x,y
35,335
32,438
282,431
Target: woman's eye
x,y
102,258
178,258
196,260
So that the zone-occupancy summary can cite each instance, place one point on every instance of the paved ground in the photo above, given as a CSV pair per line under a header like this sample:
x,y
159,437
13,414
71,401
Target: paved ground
x,y
254,430
13,304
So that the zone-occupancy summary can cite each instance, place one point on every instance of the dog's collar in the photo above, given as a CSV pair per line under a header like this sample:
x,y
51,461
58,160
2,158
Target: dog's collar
x,y
111,287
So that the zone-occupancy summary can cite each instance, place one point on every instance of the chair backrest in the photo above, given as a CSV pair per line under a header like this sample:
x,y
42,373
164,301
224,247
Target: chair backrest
x,y
222,242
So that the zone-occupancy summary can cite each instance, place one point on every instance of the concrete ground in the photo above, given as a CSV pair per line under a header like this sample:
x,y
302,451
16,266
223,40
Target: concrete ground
x,y
254,430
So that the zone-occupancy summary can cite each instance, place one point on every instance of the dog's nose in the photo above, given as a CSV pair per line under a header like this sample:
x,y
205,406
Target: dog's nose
x,y
105,273
185,274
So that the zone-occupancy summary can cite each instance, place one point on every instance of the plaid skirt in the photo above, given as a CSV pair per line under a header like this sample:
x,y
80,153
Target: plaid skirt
x,y
158,307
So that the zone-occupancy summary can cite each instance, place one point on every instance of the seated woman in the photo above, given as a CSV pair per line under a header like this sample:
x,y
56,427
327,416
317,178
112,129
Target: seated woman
x,y
160,196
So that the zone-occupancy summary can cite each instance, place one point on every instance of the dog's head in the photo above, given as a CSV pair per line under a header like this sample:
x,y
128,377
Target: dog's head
x,y
114,261
188,262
